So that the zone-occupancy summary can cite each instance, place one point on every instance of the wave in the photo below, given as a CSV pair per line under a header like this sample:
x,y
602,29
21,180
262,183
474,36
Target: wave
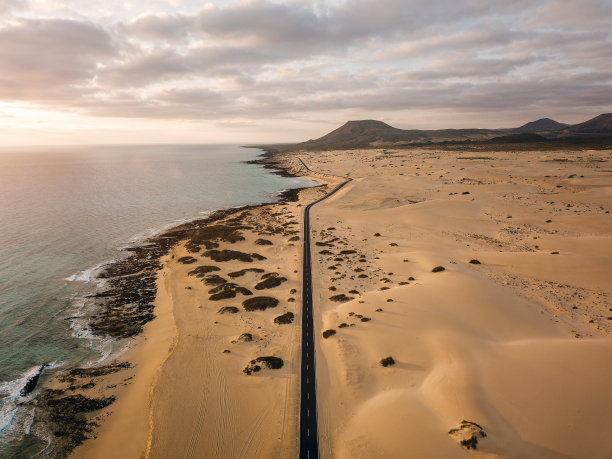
x,y
18,391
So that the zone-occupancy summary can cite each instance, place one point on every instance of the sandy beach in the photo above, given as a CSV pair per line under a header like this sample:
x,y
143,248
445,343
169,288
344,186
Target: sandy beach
x,y
506,349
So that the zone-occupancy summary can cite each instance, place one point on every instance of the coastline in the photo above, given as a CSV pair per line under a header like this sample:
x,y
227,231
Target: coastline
x,y
132,390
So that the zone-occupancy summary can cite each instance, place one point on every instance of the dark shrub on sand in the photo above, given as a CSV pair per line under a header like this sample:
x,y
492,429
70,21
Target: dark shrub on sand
x,y
242,272
228,310
270,282
259,303
342,298
438,269
273,363
201,271
328,333
285,318
343,325
245,337
187,260
347,252
474,262
214,279
263,242
387,361
294,238
228,255
228,290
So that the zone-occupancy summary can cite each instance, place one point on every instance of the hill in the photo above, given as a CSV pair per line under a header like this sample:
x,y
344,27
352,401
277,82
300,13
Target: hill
x,y
373,133
541,125
601,124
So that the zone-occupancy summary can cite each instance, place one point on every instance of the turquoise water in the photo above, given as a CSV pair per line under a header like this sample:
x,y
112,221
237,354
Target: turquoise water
x,y
64,211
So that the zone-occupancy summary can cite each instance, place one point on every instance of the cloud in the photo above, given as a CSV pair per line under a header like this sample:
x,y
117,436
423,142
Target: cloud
x,y
260,58
41,59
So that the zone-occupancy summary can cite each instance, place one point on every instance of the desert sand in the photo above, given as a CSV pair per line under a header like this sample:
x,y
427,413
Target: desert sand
x,y
518,345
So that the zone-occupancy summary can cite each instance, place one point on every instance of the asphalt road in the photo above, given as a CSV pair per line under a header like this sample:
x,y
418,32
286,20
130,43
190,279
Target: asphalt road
x,y
309,430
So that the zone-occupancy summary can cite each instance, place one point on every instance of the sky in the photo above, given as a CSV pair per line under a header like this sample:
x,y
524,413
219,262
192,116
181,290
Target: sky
x,y
187,71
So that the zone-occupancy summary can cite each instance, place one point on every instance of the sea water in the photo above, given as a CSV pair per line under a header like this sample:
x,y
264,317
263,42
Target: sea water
x,y
66,210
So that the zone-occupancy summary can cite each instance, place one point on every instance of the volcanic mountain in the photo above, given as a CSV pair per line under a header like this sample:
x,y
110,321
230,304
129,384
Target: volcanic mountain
x,y
372,133
541,125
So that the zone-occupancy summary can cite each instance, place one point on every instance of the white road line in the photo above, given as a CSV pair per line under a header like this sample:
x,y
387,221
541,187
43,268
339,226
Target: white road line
x,y
308,395
308,432
308,413
307,380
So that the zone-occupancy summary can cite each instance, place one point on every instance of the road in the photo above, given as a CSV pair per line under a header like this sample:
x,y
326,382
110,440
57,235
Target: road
x,y
309,430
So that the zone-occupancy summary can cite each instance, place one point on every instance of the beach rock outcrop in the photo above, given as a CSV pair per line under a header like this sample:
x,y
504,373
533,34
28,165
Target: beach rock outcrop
x,y
467,434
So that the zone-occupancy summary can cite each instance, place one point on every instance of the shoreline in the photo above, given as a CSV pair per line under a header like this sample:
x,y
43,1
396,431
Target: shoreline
x,y
78,389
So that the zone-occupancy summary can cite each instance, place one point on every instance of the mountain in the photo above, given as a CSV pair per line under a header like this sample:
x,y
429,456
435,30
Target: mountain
x,y
601,124
373,133
541,125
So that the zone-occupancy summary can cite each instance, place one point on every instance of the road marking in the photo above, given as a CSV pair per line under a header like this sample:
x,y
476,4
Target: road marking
x,y
308,413
307,355
308,395
308,432
307,380
307,366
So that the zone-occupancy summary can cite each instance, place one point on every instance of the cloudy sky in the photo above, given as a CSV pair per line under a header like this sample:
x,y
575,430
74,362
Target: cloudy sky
x,y
272,70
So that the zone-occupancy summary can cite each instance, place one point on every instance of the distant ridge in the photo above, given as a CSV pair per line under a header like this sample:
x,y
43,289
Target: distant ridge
x,y
541,125
601,124
373,133
377,134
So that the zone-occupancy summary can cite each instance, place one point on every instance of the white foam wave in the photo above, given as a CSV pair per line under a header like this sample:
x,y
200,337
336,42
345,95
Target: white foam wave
x,y
10,391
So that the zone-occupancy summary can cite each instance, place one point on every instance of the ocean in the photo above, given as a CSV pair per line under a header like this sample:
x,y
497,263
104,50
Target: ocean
x,y
65,211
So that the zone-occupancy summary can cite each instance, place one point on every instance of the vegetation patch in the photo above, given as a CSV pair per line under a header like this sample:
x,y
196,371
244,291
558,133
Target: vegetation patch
x,y
347,252
228,255
245,337
438,269
201,271
263,242
259,303
294,238
227,290
270,280
285,318
214,279
228,310
242,272
187,260
387,361
255,365
208,236
328,333
343,325
474,262
342,298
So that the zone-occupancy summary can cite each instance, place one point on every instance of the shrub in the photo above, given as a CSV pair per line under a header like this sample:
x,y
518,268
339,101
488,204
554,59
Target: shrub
x,y
342,298
259,303
263,242
228,255
201,271
245,337
270,282
214,279
242,272
343,325
187,260
285,318
328,333
438,269
294,238
387,361
273,363
474,262
228,310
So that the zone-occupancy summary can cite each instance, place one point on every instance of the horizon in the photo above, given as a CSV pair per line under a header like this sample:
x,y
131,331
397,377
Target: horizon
x,y
262,71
